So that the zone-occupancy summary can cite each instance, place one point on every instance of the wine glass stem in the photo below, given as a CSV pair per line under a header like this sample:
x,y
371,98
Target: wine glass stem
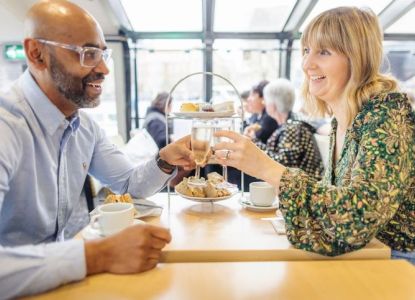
x,y
225,172
197,175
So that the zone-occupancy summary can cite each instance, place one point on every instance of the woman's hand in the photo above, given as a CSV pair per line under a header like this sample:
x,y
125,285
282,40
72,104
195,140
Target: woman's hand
x,y
247,157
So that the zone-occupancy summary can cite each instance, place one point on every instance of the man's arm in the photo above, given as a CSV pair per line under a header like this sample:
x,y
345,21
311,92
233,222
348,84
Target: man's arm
x,y
29,270
33,269
113,168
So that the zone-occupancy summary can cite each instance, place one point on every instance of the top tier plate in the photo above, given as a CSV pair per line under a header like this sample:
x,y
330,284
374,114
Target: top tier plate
x,y
204,114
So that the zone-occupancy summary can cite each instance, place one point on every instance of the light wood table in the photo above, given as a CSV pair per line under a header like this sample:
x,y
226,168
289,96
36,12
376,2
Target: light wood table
x,y
227,232
382,279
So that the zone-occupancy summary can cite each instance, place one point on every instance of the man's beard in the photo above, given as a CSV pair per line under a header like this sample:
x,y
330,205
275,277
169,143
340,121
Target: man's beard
x,y
72,87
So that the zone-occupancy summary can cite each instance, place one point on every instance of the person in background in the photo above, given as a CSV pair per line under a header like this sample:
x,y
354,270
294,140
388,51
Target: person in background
x,y
155,124
48,148
155,121
247,113
292,144
368,188
261,125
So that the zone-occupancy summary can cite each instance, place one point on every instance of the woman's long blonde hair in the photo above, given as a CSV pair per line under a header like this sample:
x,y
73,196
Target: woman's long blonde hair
x,y
355,33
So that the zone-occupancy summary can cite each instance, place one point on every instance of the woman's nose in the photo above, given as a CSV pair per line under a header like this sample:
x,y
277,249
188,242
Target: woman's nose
x,y
308,62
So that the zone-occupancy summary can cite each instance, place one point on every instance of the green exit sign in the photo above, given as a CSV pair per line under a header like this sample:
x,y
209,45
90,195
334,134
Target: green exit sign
x,y
14,52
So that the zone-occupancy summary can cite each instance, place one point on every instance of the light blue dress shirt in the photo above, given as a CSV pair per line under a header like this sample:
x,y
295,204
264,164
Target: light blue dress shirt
x,y
44,160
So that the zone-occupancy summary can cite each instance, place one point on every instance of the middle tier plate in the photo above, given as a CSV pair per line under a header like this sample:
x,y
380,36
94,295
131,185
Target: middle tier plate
x,y
232,191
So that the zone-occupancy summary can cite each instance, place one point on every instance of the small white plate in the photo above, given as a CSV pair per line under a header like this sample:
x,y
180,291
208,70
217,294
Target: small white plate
x,y
89,233
245,203
202,199
205,114
146,211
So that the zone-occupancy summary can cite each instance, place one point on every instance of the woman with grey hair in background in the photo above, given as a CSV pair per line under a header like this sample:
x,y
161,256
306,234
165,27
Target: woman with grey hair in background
x,y
292,144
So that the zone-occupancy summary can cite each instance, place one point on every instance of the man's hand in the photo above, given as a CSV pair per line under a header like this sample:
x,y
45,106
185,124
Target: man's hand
x,y
179,153
135,249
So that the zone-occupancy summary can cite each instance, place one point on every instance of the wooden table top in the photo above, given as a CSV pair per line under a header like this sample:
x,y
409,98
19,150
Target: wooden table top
x,y
225,231
370,279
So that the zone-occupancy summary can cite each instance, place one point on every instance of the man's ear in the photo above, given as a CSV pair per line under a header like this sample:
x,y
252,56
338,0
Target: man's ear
x,y
35,54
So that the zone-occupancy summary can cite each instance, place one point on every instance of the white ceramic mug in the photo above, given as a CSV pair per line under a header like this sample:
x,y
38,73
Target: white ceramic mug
x,y
262,193
113,217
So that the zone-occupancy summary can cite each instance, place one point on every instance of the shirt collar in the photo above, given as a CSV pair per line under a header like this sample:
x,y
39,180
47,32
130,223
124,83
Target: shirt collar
x,y
48,115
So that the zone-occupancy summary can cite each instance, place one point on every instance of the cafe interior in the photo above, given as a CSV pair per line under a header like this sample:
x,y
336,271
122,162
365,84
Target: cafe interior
x,y
191,68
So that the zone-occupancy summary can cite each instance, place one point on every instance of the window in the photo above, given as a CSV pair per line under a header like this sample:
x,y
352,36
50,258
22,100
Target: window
x,y
251,16
405,24
161,63
244,63
323,5
162,15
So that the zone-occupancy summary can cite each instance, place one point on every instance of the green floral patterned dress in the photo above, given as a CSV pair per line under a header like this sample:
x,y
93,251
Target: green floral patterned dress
x,y
369,192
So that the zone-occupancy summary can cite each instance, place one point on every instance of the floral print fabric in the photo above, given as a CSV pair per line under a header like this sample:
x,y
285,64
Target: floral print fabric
x,y
368,192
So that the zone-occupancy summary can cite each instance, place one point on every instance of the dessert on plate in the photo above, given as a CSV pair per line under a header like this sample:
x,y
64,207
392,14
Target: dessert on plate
x,y
189,107
210,190
126,198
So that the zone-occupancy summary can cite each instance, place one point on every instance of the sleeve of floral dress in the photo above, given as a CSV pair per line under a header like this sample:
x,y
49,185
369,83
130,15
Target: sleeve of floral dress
x,y
333,220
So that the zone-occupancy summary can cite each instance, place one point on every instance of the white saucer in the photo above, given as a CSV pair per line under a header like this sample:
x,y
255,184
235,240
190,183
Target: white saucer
x,y
89,233
245,203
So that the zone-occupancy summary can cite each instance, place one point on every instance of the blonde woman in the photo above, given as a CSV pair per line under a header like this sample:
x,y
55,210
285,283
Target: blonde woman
x,y
368,190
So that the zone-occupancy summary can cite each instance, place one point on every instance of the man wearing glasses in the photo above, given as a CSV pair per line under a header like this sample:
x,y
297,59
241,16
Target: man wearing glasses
x,y
47,149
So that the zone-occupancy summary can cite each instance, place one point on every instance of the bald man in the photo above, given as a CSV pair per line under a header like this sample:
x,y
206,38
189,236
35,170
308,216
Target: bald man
x,y
47,149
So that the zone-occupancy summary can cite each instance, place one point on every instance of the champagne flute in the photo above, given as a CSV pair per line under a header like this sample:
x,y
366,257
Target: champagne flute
x,y
225,124
202,132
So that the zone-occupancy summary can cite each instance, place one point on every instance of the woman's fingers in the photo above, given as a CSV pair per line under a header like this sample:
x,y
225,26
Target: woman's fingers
x,y
236,137
226,146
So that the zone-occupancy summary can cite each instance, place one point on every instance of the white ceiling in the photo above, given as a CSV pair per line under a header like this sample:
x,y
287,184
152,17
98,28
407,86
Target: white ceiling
x,y
12,14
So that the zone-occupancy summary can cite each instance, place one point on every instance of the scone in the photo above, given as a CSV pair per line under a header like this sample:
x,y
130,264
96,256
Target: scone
x,y
189,107
125,198
215,178
185,189
213,192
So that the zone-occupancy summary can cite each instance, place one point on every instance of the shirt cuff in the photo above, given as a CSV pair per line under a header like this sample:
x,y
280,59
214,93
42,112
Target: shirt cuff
x,y
164,176
68,260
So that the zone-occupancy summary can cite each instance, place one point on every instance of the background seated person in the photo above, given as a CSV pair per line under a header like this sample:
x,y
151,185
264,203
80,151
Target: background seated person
x,y
292,144
261,124
155,121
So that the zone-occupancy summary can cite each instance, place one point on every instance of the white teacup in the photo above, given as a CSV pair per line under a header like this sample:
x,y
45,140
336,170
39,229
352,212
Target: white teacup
x,y
113,217
261,193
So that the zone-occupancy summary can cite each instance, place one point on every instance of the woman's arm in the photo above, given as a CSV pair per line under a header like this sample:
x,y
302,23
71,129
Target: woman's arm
x,y
330,219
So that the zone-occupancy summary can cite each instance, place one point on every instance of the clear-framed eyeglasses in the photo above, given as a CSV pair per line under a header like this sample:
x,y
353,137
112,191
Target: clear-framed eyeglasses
x,y
89,57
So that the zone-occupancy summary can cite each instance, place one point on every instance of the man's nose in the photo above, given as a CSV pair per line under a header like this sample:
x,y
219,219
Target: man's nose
x,y
102,67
